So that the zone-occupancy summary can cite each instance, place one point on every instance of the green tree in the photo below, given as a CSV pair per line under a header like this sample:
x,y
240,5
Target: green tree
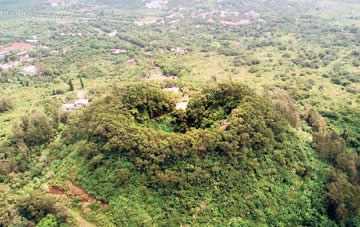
x,y
48,221
82,83
145,100
34,129
71,85
126,212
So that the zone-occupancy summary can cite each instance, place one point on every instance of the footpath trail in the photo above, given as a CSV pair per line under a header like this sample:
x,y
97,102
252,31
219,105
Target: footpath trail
x,y
62,197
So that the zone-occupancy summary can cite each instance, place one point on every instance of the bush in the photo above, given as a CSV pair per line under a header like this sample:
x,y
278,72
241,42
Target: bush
x,y
34,129
285,105
126,212
343,198
5,104
48,221
215,104
172,67
329,144
33,209
146,101
316,121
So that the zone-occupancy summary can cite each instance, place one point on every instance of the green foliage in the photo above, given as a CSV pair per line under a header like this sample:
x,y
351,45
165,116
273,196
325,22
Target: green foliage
x,y
316,121
34,209
344,198
127,212
229,159
34,129
215,104
329,144
204,175
103,177
253,124
82,83
5,104
172,67
286,106
71,85
347,121
48,221
146,101
343,186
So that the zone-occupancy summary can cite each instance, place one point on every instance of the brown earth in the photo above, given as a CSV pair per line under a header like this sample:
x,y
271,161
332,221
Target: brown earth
x,y
56,190
17,46
79,193
71,190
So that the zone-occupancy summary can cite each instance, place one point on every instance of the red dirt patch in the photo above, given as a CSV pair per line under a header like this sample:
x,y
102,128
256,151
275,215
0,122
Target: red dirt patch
x,y
56,190
80,193
17,46
70,190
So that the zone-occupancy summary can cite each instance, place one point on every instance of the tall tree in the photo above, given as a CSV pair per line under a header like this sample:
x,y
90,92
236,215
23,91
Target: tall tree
x,y
71,85
82,83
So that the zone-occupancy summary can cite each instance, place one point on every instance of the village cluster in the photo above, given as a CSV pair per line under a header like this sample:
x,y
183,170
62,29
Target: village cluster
x,y
17,55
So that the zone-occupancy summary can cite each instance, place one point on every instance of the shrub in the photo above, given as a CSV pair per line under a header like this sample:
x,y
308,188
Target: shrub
x,y
58,91
343,198
172,67
31,210
316,121
329,144
285,105
5,104
254,124
349,163
34,129
214,104
126,212
146,101
48,221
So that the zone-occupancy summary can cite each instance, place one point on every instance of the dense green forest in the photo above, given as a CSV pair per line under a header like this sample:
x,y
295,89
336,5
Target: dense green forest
x,y
179,113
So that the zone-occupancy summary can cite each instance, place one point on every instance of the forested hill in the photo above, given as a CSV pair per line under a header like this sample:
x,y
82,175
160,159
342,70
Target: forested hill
x,y
179,113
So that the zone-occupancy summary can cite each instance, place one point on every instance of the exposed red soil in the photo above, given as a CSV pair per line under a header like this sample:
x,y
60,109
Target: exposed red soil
x,y
17,46
72,190
56,190
80,193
